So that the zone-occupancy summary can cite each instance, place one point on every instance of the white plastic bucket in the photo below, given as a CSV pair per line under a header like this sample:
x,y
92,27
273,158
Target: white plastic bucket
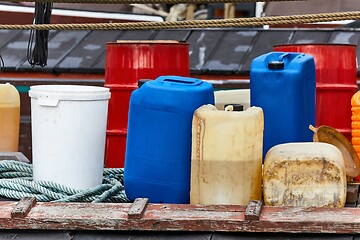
x,y
68,134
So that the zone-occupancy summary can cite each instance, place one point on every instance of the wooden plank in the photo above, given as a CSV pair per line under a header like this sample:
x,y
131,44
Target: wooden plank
x,y
23,207
279,236
17,156
253,210
181,217
350,205
137,209
352,193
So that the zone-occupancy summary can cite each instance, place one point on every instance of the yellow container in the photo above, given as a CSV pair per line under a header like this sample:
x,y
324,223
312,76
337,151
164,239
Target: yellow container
x,y
355,124
304,175
9,118
226,156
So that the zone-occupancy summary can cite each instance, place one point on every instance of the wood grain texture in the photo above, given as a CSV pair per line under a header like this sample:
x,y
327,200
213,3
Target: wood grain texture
x,y
137,209
252,211
181,217
23,207
352,193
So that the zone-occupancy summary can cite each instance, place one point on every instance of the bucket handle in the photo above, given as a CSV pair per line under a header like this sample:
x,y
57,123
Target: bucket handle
x,y
48,102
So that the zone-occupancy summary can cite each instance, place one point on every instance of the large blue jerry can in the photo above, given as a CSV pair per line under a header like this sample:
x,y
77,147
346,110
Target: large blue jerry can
x,y
158,149
284,85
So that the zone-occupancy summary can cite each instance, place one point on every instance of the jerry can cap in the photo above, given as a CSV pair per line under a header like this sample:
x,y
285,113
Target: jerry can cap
x,y
142,81
276,65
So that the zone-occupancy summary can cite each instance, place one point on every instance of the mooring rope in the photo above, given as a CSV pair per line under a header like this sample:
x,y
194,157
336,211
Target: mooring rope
x,y
217,23
151,1
16,182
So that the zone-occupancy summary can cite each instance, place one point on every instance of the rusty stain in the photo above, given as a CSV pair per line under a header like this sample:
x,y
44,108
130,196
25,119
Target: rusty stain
x,y
304,181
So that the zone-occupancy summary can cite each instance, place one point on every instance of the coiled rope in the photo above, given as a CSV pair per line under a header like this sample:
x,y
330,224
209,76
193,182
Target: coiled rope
x,y
16,182
217,23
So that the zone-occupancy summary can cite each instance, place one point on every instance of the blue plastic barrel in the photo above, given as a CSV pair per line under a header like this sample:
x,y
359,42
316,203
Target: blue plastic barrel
x,y
284,85
158,148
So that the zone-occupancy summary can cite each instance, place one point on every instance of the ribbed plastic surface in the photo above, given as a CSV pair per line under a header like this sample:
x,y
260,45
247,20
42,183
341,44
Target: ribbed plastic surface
x,y
355,124
158,151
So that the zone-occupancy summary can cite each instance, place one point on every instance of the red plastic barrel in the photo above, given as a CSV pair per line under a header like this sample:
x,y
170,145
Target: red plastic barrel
x,y
126,63
336,82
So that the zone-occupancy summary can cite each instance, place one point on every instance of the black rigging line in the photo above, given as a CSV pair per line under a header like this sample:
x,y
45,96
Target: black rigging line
x,y
37,52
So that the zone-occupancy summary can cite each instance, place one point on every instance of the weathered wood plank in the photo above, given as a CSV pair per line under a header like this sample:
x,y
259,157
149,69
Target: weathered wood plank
x,y
181,217
137,209
352,193
252,211
17,156
349,205
23,207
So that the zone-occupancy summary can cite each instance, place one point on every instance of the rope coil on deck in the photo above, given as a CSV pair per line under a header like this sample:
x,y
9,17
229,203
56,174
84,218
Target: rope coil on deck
x,y
16,182
218,23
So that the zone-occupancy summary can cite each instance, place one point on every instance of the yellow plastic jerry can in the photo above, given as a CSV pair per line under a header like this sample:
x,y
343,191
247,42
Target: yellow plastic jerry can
x,y
9,118
226,156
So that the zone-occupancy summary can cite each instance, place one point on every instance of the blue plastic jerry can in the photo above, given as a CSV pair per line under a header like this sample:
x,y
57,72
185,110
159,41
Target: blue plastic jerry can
x,y
158,150
284,85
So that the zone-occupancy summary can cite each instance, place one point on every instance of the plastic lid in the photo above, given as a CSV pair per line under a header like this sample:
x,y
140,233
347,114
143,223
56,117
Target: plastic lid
x,y
276,65
69,92
235,107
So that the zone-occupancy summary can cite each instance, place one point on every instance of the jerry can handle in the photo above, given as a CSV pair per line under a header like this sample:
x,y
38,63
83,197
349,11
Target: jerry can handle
x,y
283,56
177,80
280,62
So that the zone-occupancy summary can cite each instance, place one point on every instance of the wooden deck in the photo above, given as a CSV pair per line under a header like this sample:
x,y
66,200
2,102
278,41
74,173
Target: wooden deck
x,y
27,214
140,216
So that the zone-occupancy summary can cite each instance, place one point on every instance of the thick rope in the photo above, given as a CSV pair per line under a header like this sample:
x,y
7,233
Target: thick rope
x,y
218,23
16,183
150,1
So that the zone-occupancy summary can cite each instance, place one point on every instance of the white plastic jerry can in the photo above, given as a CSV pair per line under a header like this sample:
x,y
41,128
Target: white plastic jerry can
x,y
304,175
226,161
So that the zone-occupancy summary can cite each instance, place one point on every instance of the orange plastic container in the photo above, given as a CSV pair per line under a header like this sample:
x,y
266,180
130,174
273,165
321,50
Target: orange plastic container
x,y
9,118
355,124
